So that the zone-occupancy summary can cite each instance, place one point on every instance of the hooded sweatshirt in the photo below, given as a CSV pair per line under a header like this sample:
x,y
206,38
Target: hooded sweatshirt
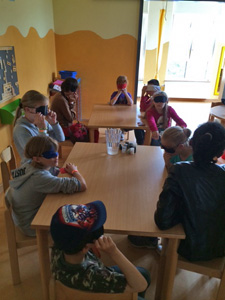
x,y
28,190
24,130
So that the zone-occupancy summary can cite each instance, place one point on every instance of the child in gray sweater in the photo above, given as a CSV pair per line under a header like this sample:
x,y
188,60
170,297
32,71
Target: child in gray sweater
x,y
32,181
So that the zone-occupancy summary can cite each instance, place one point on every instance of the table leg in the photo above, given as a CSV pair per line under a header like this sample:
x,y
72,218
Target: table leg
x,y
148,136
167,270
92,134
43,251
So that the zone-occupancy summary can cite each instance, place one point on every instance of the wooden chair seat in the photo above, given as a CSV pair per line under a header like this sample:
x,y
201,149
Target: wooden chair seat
x,y
59,291
213,268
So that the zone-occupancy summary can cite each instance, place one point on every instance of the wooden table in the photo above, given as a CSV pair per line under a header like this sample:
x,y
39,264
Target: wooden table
x,y
218,112
117,116
129,186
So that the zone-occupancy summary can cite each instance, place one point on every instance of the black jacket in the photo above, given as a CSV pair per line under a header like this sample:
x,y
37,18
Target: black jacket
x,y
195,197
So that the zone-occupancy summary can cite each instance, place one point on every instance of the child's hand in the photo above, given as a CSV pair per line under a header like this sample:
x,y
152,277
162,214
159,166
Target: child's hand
x,y
39,121
51,117
155,135
106,244
70,168
124,91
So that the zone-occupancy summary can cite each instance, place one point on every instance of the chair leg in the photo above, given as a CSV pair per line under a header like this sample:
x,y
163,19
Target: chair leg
x,y
13,255
60,151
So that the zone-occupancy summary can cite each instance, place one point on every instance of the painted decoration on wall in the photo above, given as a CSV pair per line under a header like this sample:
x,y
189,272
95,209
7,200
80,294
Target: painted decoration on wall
x,y
9,86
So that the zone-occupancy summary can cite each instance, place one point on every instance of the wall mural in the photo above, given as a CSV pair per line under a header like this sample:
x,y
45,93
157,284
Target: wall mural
x,y
9,86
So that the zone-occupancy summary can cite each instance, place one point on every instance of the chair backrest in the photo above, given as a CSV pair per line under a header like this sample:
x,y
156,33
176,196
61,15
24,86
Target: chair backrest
x,y
59,291
8,163
213,268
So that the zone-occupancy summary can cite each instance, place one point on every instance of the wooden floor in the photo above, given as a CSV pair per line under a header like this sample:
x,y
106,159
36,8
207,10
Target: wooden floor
x,y
188,286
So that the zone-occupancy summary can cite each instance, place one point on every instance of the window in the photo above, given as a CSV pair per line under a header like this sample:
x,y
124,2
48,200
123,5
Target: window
x,y
191,47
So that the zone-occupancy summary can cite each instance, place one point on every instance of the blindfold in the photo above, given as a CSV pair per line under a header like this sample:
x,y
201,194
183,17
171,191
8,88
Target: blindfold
x,y
43,110
121,86
49,154
161,99
153,88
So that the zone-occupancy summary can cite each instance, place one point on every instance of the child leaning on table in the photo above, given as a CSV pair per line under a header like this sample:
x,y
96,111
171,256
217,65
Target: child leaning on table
x,y
121,96
78,235
160,116
175,142
32,181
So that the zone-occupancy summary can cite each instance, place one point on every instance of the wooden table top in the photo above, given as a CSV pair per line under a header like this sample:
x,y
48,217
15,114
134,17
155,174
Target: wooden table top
x,y
129,186
114,116
218,111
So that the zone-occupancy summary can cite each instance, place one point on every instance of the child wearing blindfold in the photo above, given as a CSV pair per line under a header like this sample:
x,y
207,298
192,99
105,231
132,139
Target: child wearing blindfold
x,y
175,142
36,120
121,96
145,104
160,116
32,181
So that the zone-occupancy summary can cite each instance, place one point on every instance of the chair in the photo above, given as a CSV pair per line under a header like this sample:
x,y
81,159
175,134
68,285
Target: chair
x,y
66,143
16,239
213,268
8,163
59,291
213,104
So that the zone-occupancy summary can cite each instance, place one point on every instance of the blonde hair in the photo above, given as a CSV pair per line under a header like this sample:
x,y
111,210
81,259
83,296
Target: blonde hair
x,y
165,108
37,145
176,135
121,79
29,99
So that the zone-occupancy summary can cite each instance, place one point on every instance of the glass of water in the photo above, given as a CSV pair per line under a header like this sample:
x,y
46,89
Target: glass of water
x,y
113,136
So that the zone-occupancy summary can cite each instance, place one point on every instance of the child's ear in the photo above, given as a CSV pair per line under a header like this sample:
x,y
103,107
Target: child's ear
x,y
36,158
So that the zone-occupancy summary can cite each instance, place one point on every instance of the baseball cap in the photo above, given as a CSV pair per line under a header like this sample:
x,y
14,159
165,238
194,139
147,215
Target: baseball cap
x,y
72,224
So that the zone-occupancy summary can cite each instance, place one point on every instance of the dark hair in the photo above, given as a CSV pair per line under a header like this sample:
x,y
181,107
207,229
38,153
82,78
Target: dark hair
x,y
153,82
69,85
208,142
68,242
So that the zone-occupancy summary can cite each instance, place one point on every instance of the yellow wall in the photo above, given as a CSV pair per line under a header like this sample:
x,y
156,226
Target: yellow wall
x,y
98,39
34,47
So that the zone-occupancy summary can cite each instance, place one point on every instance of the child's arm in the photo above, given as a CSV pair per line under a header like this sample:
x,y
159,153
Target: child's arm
x,y
72,169
115,97
128,97
176,118
135,281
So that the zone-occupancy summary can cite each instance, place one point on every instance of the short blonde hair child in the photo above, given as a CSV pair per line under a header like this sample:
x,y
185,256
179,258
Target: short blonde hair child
x,y
29,99
176,135
37,145
121,79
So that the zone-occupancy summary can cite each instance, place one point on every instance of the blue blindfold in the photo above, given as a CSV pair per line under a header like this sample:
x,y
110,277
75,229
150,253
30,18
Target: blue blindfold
x,y
50,154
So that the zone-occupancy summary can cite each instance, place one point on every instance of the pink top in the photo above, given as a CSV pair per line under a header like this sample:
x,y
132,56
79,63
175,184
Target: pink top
x,y
146,101
155,120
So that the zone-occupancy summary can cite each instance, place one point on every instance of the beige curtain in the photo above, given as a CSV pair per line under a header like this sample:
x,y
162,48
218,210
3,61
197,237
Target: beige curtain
x,y
159,49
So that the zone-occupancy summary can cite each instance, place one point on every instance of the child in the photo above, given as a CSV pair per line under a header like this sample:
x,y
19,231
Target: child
x,y
32,181
145,105
175,142
63,104
121,96
160,115
37,120
193,195
147,93
77,232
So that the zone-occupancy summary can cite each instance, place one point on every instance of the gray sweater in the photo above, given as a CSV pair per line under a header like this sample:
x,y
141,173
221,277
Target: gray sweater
x,y
28,190
24,130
